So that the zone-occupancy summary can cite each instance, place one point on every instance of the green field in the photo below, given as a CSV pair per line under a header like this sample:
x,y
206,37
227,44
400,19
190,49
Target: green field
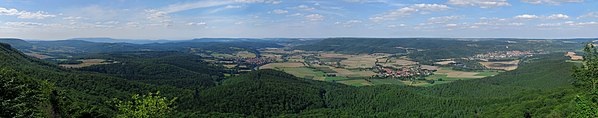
x,y
303,72
386,81
335,78
487,73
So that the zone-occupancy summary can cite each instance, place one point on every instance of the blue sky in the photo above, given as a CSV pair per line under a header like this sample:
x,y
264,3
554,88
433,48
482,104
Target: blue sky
x,y
185,19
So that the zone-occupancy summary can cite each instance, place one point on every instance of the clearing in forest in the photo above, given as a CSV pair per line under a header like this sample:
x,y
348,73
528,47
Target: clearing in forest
x,y
501,65
85,63
282,65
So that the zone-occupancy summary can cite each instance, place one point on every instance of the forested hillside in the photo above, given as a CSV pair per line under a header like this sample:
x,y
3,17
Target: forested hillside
x,y
430,49
539,88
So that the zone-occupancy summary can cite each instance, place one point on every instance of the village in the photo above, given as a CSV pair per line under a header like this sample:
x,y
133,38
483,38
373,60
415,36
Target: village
x,y
502,55
404,73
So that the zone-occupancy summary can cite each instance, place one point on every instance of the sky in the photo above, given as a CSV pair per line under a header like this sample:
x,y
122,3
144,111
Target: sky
x,y
186,19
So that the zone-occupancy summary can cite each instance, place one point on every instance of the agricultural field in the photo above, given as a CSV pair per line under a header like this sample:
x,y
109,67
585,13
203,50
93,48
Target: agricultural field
x,y
220,55
359,61
282,65
501,65
574,56
445,62
245,54
86,62
446,75
356,82
396,62
304,72
39,56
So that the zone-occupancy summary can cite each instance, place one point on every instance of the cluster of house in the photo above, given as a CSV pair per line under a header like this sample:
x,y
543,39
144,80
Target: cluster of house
x,y
502,55
406,72
256,61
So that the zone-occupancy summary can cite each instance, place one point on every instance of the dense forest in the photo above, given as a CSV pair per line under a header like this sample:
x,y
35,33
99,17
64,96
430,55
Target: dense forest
x,y
541,87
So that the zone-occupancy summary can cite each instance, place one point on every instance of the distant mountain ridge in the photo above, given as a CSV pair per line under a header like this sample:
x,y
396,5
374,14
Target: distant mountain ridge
x,y
111,40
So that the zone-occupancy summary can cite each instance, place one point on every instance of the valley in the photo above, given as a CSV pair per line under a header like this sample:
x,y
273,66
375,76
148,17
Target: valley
x,y
218,79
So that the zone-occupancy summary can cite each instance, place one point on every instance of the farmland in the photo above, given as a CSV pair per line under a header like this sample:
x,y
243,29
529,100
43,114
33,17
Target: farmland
x,y
365,69
501,65
86,62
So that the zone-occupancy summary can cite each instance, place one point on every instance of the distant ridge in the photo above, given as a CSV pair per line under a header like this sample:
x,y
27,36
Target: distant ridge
x,y
111,40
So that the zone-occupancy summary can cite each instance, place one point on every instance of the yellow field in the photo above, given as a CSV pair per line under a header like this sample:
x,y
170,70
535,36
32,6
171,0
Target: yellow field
x,y
347,73
281,65
230,65
86,62
397,63
444,62
245,54
359,61
492,65
574,56
457,74
39,56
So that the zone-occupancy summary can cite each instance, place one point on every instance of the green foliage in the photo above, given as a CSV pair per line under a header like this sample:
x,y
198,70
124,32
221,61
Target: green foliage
x,y
585,108
263,93
587,73
587,77
538,88
146,106
21,96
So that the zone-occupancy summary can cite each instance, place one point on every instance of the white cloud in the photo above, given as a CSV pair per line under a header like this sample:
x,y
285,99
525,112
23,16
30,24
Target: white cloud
x,y
296,14
279,11
405,11
553,2
260,1
25,14
197,23
558,16
589,15
551,17
443,19
526,16
71,18
314,17
430,7
304,8
23,24
480,3
349,23
569,23
233,6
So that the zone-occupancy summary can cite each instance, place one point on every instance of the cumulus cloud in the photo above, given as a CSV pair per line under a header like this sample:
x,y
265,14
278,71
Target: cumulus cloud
x,y
23,24
314,17
279,11
480,3
197,23
550,17
553,2
589,15
304,8
443,19
349,23
569,23
526,16
25,14
260,1
405,11
558,16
